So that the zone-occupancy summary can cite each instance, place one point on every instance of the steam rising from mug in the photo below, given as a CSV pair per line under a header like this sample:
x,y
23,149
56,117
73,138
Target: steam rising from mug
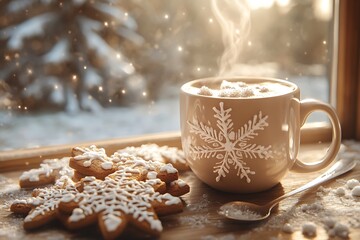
x,y
234,19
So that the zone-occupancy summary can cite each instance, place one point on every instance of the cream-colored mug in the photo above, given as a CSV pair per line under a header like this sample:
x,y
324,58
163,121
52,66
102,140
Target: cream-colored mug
x,y
242,134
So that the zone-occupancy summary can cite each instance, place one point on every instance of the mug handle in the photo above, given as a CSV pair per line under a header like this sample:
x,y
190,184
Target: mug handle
x,y
308,106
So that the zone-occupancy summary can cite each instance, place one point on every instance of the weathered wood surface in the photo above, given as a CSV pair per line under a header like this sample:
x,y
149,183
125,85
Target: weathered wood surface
x,y
199,220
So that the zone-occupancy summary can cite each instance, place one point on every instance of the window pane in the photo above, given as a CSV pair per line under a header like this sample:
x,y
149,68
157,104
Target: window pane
x,y
77,71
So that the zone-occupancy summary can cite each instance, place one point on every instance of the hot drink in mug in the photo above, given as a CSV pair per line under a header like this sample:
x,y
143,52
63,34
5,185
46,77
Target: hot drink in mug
x,y
243,134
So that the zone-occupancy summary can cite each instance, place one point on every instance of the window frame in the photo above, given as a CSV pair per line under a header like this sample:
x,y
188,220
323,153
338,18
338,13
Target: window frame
x,y
348,76
345,75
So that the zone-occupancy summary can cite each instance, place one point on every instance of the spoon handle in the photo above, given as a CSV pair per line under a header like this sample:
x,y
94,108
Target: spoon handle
x,y
340,167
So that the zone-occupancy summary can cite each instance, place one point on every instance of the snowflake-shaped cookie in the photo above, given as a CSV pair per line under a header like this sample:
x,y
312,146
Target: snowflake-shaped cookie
x,y
228,145
164,154
42,207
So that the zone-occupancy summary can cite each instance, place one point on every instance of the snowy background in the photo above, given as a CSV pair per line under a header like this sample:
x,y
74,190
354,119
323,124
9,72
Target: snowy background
x,y
34,130
63,128
84,70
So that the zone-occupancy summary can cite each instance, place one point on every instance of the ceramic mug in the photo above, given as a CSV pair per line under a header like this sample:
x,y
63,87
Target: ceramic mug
x,y
249,142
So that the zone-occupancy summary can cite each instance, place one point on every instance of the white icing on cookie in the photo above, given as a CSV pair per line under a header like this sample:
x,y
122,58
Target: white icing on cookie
x,y
168,168
68,197
48,199
174,155
93,153
107,165
170,200
156,153
179,182
77,215
120,193
152,175
112,221
20,201
47,168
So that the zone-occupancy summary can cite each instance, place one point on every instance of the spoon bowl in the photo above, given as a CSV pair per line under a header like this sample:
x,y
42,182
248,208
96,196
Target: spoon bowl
x,y
245,211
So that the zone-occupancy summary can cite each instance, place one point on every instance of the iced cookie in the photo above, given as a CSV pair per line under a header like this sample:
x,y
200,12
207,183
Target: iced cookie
x,y
177,187
165,172
47,173
164,154
92,161
42,207
136,193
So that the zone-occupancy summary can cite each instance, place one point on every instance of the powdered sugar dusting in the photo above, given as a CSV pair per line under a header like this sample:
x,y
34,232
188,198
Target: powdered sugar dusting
x,y
195,221
335,210
224,237
240,212
200,205
201,217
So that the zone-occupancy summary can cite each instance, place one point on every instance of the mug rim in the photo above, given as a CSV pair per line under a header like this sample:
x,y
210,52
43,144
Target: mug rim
x,y
294,87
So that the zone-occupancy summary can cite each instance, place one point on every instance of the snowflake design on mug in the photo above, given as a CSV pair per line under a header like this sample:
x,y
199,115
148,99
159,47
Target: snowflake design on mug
x,y
228,145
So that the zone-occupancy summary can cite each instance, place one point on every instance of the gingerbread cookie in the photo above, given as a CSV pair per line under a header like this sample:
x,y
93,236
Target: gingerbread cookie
x,y
92,161
47,173
41,208
136,193
164,154
177,188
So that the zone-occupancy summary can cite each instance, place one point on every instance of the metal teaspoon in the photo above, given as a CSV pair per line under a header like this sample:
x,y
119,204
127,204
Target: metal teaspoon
x,y
245,211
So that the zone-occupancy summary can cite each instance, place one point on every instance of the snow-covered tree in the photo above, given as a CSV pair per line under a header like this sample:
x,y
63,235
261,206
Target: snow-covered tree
x,y
65,53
